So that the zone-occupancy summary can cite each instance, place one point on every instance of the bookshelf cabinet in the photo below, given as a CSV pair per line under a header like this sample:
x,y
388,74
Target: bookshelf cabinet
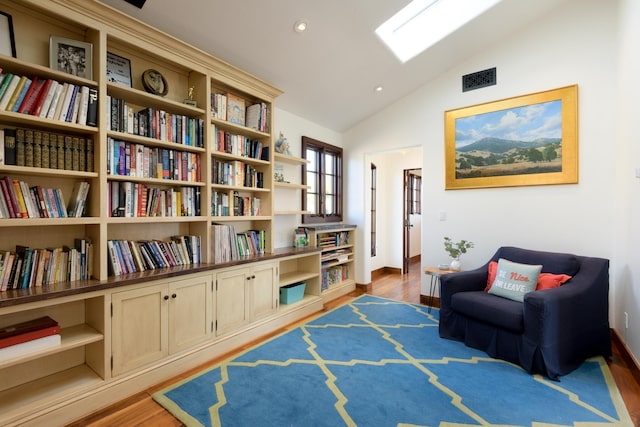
x,y
337,243
103,358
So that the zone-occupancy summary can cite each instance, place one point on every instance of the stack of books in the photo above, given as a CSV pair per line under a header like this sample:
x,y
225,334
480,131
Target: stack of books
x,y
28,337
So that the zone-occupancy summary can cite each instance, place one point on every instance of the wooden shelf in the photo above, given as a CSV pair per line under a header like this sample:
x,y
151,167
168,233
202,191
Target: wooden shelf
x,y
285,158
294,277
71,337
152,142
146,99
291,212
58,173
238,188
243,130
290,185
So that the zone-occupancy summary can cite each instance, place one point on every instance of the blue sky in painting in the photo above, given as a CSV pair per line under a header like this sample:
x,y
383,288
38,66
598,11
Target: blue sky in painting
x,y
526,123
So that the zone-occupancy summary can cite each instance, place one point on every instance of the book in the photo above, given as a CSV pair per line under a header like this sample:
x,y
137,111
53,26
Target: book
x,y
64,92
31,95
28,347
11,87
16,93
6,79
42,97
23,92
92,107
83,106
55,101
235,109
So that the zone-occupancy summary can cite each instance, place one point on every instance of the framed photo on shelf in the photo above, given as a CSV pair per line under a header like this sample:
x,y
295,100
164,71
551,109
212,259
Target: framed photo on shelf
x,y
524,140
7,38
71,56
118,69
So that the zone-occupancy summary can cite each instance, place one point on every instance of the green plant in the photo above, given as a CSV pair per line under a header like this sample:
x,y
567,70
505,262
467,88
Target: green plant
x,y
455,249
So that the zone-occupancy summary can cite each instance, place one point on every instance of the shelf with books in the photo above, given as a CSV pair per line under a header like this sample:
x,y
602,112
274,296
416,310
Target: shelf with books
x,y
138,199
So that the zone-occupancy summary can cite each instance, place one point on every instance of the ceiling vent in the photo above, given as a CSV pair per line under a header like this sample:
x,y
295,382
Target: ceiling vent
x,y
479,79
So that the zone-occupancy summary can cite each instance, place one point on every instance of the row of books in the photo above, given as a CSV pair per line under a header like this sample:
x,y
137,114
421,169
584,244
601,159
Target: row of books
x,y
28,268
26,337
232,108
19,200
235,173
339,238
242,205
131,199
48,98
154,123
239,145
228,245
128,256
35,148
334,275
138,160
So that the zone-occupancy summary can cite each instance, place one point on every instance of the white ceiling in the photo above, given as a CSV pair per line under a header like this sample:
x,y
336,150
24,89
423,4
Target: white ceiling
x,y
328,74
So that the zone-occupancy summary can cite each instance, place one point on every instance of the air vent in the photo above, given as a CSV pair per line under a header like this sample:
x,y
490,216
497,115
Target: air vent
x,y
479,79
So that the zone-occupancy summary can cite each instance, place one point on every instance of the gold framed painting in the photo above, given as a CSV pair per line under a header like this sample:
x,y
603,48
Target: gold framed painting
x,y
524,140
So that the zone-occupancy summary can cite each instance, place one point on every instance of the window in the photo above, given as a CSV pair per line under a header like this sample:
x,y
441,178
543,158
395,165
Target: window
x,y
415,186
323,176
374,177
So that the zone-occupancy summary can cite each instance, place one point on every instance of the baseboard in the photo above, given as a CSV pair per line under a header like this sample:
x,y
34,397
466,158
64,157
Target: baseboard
x,y
364,287
378,273
627,356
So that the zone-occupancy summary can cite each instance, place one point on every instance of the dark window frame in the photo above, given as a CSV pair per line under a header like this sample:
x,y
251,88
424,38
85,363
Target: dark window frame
x,y
321,150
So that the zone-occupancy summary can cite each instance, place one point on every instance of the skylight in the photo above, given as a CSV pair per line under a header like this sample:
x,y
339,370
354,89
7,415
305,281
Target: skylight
x,y
423,23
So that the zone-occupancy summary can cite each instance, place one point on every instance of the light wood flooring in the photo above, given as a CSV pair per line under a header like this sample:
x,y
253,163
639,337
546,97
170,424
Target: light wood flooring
x,y
141,410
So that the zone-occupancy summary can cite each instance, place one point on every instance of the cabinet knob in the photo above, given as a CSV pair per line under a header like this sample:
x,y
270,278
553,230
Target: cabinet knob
x,y
166,297
173,295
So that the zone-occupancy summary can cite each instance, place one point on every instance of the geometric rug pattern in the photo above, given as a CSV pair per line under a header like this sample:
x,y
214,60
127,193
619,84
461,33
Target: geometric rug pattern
x,y
380,362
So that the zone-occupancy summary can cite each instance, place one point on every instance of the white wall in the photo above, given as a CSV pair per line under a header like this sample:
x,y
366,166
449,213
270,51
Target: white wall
x,y
575,44
625,294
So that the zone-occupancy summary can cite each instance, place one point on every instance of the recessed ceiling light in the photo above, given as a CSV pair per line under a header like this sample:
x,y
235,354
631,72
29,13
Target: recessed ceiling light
x,y
423,23
378,88
300,26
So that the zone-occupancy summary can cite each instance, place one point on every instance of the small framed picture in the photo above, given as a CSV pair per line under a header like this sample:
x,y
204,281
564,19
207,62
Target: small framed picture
x,y
118,69
7,38
71,56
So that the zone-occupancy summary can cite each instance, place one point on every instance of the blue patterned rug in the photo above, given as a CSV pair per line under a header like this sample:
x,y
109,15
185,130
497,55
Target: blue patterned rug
x,y
380,362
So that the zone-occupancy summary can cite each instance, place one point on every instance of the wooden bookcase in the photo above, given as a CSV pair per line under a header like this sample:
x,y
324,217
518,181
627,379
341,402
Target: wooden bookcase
x,y
337,245
89,369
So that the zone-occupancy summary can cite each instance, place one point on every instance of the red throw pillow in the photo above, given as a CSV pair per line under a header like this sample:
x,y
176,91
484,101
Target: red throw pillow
x,y
493,270
550,281
545,280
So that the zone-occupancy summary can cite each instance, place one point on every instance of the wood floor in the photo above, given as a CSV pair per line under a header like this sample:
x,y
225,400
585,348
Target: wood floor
x,y
141,410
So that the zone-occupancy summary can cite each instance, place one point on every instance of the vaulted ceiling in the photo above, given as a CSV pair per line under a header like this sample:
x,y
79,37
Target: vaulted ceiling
x,y
329,72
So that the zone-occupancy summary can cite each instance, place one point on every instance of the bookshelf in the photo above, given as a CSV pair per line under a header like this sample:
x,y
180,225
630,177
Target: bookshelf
x,y
92,367
337,244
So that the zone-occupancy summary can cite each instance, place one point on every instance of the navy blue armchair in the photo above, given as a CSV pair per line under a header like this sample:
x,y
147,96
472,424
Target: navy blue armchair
x,y
552,332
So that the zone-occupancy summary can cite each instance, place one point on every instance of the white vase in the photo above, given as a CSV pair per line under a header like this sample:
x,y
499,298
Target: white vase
x,y
455,264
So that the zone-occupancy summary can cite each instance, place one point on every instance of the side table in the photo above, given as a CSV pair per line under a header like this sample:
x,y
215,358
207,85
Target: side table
x,y
434,273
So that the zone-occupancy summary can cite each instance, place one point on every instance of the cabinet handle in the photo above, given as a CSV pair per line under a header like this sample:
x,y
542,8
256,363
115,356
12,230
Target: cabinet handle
x,y
253,277
166,297
173,295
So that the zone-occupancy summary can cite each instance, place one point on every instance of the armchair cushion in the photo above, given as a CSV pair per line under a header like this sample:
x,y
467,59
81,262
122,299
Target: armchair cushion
x,y
545,280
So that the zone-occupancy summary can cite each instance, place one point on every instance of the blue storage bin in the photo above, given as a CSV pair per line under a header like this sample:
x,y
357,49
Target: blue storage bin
x,y
292,293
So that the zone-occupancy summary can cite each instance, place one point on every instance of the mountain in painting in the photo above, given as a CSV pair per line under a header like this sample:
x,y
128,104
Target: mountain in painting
x,y
499,145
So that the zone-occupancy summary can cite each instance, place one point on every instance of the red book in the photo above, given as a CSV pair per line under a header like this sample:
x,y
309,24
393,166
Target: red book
x,y
28,331
7,198
12,195
31,95
41,97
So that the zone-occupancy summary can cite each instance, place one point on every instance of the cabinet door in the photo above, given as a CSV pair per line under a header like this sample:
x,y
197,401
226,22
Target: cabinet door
x,y
232,293
190,312
139,327
264,291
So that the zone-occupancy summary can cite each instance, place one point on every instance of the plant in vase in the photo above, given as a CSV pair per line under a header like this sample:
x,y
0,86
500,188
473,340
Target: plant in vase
x,y
455,249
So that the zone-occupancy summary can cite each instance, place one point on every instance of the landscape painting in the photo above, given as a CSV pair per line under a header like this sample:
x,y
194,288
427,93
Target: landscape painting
x,y
527,140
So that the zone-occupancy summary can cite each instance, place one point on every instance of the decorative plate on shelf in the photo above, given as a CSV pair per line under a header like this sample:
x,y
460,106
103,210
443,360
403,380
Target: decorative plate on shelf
x,y
154,82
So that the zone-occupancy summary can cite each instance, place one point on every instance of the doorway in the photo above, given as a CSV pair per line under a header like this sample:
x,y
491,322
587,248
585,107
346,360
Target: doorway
x,y
412,209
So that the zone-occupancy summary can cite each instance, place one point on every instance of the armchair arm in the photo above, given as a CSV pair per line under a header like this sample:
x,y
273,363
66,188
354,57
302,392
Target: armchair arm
x,y
464,281
571,322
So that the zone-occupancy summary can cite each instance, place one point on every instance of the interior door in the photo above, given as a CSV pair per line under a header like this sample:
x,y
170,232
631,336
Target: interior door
x,y
406,222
